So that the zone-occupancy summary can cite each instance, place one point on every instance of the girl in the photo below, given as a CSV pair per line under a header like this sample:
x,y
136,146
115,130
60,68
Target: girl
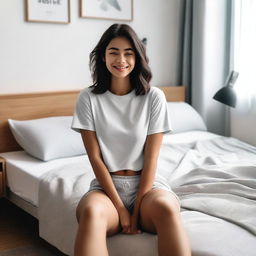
x,y
122,121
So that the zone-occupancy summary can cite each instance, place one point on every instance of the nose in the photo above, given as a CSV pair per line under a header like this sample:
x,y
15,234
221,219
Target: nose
x,y
121,58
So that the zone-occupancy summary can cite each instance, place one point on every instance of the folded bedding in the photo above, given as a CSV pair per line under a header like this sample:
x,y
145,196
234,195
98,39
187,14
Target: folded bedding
x,y
218,177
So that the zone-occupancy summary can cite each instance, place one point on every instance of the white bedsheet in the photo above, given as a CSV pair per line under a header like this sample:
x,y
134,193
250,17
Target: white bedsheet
x,y
215,180
24,171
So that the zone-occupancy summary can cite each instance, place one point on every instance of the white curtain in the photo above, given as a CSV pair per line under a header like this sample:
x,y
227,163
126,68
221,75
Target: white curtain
x,y
209,58
245,53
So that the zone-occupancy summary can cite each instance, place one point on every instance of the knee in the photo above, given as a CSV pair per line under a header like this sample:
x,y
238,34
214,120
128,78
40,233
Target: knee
x,y
91,212
164,209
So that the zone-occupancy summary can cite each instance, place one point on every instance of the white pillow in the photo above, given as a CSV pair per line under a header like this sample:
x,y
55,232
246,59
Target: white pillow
x,y
185,118
48,138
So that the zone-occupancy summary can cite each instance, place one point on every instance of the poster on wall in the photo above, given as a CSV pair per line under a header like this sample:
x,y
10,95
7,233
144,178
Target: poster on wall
x,y
50,11
107,9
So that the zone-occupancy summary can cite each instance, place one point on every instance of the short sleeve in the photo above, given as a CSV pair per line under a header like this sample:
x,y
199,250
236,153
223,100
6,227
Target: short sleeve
x,y
83,116
159,117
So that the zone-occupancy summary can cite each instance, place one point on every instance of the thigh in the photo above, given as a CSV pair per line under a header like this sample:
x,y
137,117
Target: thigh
x,y
99,205
156,205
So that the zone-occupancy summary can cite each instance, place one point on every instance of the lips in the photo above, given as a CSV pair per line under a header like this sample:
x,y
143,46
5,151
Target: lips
x,y
120,68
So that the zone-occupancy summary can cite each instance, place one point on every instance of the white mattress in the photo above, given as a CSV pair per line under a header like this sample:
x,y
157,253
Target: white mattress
x,y
24,171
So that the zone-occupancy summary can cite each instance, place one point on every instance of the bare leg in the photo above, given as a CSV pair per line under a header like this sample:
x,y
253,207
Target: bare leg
x,y
160,213
97,218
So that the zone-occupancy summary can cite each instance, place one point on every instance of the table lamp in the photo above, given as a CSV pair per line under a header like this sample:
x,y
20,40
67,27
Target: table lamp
x,y
227,94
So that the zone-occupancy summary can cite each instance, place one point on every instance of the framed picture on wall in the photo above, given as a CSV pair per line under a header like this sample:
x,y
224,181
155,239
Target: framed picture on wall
x,y
49,11
107,9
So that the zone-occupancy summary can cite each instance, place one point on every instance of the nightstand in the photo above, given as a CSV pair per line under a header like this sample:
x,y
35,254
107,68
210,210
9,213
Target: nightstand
x,y
2,177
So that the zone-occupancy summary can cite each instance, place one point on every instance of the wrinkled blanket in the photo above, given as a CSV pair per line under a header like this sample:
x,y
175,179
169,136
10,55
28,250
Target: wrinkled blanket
x,y
216,177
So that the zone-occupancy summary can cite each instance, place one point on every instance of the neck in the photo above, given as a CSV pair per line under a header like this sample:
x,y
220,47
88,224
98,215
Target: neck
x,y
120,86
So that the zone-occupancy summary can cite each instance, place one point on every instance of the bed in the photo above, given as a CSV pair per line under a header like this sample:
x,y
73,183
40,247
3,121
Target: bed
x,y
214,176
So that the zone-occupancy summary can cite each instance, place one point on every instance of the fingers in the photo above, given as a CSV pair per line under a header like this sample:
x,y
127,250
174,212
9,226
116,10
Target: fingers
x,y
126,229
130,230
128,222
135,231
126,226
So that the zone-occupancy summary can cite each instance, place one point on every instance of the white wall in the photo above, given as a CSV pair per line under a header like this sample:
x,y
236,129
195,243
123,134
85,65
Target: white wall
x,y
37,57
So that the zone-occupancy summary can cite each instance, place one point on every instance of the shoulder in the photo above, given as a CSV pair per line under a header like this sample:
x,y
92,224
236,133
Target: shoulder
x,y
85,94
84,97
156,93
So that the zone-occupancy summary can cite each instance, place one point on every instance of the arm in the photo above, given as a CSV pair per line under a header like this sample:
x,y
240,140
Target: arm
x,y
103,176
151,153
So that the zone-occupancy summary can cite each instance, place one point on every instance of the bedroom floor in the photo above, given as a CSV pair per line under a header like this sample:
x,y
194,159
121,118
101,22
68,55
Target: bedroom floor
x,y
19,233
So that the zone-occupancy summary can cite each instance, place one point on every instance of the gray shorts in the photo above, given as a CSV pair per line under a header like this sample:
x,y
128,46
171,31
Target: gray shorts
x,y
127,187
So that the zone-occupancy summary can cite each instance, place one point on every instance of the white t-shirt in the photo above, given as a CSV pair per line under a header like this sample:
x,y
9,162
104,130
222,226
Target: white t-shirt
x,y
122,124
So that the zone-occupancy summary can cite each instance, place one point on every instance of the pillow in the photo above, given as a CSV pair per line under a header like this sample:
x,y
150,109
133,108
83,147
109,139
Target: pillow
x,y
48,138
184,117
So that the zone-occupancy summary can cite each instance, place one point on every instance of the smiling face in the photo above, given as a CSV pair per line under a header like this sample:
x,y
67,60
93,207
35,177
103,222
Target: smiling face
x,y
120,57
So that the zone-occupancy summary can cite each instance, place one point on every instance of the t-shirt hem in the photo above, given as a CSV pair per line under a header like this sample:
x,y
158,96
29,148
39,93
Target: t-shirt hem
x,y
167,130
137,169
78,128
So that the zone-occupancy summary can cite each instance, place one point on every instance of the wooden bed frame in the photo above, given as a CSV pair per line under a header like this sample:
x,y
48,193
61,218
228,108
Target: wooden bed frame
x,y
38,105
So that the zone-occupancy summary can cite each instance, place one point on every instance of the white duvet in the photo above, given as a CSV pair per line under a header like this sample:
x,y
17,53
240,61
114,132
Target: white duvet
x,y
214,179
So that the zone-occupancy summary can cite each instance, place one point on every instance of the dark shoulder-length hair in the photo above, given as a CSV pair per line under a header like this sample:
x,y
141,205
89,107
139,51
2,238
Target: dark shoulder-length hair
x,y
140,75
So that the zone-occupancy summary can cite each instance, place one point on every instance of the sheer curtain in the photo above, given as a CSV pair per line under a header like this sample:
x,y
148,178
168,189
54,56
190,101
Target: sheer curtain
x,y
245,53
243,117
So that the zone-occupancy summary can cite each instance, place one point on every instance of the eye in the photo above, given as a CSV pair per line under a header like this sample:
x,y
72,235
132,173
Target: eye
x,y
129,54
113,53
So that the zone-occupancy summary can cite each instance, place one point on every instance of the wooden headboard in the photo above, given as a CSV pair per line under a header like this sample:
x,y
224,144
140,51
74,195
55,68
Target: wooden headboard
x,y
39,105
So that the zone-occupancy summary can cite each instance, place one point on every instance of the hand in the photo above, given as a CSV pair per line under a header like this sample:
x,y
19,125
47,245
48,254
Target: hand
x,y
125,220
134,224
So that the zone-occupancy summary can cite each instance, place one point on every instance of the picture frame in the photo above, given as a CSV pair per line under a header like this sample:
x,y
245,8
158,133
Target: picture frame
x,y
107,9
48,11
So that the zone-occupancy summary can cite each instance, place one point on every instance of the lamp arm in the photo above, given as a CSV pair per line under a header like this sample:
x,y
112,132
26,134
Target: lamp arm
x,y
232,78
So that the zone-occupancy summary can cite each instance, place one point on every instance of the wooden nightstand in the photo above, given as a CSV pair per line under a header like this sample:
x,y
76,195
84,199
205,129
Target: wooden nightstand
x,y
2,177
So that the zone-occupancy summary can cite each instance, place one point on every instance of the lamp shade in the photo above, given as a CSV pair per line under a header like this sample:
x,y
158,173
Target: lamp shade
x,y
227,94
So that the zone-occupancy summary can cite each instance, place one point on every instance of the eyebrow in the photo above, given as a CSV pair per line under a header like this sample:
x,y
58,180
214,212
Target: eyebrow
x,y
116,49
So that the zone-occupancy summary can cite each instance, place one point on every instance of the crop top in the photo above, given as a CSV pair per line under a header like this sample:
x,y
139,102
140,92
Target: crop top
x,y
122,124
